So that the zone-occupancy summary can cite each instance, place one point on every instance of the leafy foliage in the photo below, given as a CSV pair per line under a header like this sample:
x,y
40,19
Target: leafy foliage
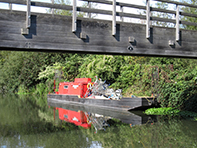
x,y
192,11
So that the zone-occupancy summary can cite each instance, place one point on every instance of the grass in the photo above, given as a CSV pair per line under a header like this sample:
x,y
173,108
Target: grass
x,y
171,112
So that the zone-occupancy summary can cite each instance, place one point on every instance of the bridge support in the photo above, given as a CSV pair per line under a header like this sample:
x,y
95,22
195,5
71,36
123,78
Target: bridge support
x,y
74,16
75,34
114,18
177,23
25,30
147,19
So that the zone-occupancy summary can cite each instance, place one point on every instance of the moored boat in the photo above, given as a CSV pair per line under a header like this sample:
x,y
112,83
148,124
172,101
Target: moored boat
x,y
85,92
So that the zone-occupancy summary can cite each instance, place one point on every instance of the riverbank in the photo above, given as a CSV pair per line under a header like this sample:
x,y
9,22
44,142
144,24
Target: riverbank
x,y
171,112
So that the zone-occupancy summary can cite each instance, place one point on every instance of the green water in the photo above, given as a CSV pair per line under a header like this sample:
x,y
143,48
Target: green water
x,y
24,123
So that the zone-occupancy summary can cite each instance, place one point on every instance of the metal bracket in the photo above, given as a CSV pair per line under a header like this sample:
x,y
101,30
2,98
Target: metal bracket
x,y
171,43
131,39
25,30
130,48
83,36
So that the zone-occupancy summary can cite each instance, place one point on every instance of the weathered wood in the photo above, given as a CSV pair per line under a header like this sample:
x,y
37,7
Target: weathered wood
x,y
49,33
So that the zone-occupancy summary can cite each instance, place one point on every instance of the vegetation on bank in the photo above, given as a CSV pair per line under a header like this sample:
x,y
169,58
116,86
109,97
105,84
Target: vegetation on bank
x,y
169,111
172,80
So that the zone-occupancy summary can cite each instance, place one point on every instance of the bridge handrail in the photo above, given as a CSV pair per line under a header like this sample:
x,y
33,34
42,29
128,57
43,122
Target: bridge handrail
x,y
107,12
146,16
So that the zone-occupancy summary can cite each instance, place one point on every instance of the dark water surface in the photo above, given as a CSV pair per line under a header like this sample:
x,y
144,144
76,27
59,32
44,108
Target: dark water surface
x,y
29,122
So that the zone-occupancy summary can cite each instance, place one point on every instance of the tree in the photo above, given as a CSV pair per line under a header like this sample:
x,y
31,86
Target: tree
x,y
192,11
162,5
69,12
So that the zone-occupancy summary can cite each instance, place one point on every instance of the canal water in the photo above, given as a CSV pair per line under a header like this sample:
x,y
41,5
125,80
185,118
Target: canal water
x,y
29,122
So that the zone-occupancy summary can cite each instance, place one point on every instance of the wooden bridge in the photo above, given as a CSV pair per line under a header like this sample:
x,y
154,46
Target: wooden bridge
x,y
34,31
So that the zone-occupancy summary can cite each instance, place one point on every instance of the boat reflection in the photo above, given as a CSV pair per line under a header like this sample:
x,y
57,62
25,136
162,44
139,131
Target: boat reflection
x,y
99,118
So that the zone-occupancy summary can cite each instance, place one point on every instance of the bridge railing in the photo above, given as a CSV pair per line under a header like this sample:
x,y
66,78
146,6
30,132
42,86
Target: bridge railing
x,y
147,12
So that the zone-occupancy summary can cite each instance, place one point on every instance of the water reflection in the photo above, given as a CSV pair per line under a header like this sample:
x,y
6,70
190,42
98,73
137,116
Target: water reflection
x,y
99,118
25,122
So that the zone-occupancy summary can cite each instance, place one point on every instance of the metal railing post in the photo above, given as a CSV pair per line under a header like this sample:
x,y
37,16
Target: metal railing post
x,y
147,19
89,6
122,10
114,18
28,14
74,16
10,6
52,9
25,31
177,23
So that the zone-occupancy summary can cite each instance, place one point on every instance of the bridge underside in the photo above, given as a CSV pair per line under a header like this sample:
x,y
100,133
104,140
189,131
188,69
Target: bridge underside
x,y
49,33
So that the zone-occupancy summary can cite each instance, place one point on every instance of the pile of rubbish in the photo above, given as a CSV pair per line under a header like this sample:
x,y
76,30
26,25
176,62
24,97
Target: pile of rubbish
x,y
99,90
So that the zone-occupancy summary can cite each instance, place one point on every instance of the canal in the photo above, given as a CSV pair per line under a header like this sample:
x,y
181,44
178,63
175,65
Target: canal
x,y
31,122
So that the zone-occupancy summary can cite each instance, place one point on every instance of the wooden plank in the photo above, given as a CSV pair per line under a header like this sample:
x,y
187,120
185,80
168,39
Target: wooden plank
x,y
53,34
188,14
21,46
163,19
118,4
178,3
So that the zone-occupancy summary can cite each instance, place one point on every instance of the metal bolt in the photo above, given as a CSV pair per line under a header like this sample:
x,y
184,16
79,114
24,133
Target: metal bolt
x,y
130,48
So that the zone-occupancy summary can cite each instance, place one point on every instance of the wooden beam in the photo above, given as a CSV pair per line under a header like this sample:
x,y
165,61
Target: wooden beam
x,y
114,18
74,16
177,23
147,19
54,34
178,3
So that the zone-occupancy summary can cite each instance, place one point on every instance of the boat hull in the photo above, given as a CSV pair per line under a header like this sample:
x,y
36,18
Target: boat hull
x,y
123,104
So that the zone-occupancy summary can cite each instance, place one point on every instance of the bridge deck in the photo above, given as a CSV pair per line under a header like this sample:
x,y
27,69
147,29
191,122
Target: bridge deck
x,y
53,33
